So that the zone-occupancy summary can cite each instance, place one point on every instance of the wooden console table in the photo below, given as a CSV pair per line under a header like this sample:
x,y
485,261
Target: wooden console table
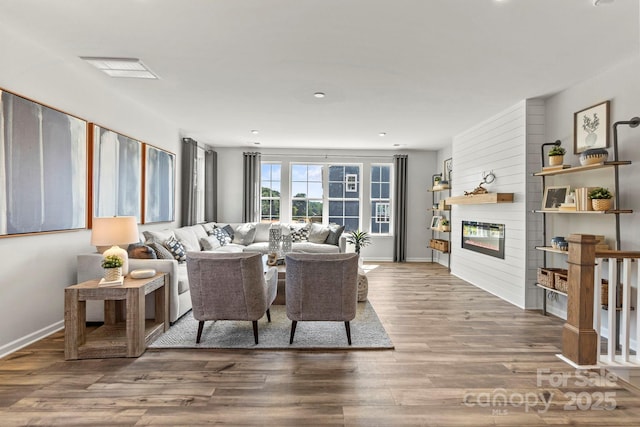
x,y
125,332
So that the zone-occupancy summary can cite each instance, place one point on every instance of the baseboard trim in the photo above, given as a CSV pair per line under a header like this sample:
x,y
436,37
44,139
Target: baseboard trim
x,y
22,342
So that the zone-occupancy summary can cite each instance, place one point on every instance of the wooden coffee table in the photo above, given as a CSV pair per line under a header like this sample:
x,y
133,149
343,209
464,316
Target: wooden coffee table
x,y
125,332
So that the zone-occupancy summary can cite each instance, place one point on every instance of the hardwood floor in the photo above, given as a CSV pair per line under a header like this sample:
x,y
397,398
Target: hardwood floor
x,y
457,350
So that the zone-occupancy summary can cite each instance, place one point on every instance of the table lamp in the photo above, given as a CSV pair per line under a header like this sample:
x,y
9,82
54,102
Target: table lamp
x,y
114,231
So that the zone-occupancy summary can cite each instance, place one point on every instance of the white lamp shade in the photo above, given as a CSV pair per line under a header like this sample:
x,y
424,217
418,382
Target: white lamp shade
x,y
114,231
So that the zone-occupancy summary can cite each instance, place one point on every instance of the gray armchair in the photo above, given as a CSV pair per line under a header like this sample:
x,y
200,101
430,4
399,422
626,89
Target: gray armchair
x,y
321,287
230,286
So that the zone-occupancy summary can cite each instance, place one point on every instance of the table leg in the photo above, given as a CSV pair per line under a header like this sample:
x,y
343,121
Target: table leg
x,y
75,314
135,321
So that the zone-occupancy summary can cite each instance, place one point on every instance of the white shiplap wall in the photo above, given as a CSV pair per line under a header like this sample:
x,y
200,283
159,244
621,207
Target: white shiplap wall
x,y
497,145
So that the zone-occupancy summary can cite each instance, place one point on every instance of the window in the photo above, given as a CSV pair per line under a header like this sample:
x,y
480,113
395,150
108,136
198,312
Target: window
x,y
270,199
380,199
306,192
344,196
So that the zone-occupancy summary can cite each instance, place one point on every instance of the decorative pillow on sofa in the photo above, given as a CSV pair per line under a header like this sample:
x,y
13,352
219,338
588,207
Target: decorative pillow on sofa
x,y
176,249
141,251
229,230
245,233
160,250
318,233
335,231
221,235
209,243
300,233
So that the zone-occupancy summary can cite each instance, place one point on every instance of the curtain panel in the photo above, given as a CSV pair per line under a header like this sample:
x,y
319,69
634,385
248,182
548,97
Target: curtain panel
x,y
400,208
251,186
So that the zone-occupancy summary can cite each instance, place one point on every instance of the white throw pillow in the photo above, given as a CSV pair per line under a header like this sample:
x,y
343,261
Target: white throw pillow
x,y
244,234
209,243
318,233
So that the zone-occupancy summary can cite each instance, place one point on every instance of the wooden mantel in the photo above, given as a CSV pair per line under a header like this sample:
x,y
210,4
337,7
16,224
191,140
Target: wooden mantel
x,y
478,199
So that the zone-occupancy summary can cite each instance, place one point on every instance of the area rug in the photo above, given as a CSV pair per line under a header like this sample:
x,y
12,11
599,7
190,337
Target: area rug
x,y
367,333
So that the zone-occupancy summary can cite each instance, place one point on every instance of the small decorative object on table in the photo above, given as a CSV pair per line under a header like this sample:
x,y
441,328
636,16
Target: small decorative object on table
x,y
275,236
555,241
286,243
112,265
556,155
600,199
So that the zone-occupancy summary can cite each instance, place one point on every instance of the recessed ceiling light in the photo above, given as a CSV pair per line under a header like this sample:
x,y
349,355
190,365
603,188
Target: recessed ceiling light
x,y
121,67
382,134
256,143
396,145
319,94
255,132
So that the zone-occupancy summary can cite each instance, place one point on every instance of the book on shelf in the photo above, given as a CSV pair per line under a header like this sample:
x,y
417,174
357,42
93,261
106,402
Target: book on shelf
x,y
583,203
104,282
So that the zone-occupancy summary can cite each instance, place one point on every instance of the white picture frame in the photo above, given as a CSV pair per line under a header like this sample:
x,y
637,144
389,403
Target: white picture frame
x,y
435,222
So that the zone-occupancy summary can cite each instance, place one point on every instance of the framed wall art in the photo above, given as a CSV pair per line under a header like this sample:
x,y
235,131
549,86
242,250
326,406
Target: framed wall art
x,y
435,221
447,168
43,168
591,128
159,185
117,173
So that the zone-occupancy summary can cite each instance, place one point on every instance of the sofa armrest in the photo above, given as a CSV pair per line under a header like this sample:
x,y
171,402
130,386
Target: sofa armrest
x,y
342,244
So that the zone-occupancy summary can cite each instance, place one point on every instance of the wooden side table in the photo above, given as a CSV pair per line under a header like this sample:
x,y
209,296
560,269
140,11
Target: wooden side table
x,y
125,332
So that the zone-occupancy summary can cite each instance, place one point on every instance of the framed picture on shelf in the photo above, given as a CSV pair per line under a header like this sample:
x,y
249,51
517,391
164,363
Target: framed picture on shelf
x,y
591,128
435,221
447,168
554,196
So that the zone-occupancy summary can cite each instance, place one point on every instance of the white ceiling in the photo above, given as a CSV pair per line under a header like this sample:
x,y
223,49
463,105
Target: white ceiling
x,y
420,70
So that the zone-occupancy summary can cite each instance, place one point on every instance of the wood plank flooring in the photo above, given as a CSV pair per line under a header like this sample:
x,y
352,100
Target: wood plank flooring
x,y
458,349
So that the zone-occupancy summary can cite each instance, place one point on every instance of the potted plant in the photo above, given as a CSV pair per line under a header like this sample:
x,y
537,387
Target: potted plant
x,y
600,199
359,238
444,225
112,265
556,155
436,181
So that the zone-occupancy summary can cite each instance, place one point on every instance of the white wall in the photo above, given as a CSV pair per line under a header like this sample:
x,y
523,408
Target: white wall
x,y
421,165
36,269
497,145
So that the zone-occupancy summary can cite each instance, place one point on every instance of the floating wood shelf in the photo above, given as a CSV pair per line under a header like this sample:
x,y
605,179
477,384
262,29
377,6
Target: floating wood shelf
x,y
619,211
478,199
574,169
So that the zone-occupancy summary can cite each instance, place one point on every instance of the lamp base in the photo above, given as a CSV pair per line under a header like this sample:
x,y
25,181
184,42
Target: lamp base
x,y
122,253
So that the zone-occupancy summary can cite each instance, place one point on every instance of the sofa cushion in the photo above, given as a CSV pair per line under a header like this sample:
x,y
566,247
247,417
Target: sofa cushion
x,y
230,231
230,248
159,236
314,248
335,231
188,237
160,250
244,234
141,251
176,249
209,243
262,247
300,232
318,233
262,232
183,278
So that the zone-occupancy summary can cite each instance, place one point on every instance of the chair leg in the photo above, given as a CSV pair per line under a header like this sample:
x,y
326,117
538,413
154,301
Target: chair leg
x,y
255,331
348,328
268,315
200,326
293,330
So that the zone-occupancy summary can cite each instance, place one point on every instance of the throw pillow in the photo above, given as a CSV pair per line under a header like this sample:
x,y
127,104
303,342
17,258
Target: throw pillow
x,y
160,250
229,230
245,234
176,249
209,243
318,233
300,234
221,235
141,251
335,231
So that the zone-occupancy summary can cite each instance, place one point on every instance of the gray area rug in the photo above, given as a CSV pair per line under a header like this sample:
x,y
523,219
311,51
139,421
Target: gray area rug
x,y
366,333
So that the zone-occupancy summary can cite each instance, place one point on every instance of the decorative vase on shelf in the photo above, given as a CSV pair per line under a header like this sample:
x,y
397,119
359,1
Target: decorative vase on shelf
x,y
112,274
593,156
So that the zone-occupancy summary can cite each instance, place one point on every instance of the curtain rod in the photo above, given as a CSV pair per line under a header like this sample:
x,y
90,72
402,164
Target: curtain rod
x,y
325,156
194,142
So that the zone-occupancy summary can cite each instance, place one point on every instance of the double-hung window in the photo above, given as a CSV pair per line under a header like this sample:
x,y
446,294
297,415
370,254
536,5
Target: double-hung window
x,y
380,199
271,188
344,196
306,192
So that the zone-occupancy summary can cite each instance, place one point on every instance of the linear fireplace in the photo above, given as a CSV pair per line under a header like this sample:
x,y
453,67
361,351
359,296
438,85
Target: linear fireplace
x,y
483,237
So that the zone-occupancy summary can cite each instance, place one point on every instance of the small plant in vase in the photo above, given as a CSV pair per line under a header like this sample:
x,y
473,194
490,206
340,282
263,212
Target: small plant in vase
x,y
359,239
556,155
600,199
112,265
444,225
436,182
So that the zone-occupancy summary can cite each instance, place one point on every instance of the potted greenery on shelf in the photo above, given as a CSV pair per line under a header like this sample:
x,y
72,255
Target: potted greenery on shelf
x,y
600,199
112,265
556,155
359,239
444,225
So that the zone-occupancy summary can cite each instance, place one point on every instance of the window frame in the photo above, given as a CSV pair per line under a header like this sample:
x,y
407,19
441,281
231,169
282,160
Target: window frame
x,y
374,201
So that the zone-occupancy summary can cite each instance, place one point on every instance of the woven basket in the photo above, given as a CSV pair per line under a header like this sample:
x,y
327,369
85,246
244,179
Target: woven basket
x,y
601,204
546,276
560,281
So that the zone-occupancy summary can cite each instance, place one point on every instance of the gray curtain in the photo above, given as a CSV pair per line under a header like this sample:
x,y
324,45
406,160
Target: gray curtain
x,y
400,208
188,178
251,185
210,186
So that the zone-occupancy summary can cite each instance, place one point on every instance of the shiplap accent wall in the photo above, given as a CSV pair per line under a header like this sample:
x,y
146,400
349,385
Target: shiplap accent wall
x,y
497,145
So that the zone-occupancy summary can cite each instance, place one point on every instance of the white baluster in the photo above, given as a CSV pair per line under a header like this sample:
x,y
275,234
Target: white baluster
x,y
597,309
613,280
625,319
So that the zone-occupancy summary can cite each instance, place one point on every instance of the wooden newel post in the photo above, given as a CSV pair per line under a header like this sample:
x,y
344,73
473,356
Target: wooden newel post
x,y
579,339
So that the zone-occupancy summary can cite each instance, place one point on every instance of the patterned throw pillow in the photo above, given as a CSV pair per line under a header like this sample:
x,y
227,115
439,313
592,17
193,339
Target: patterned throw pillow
x,y
141,251
176,249
300,234
160,250
221,235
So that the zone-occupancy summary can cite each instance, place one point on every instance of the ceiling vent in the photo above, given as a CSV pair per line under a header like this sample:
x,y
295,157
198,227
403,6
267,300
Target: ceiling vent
x,y
121,67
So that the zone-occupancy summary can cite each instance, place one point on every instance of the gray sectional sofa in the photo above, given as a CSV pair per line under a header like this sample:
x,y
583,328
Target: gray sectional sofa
x,y
153,252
